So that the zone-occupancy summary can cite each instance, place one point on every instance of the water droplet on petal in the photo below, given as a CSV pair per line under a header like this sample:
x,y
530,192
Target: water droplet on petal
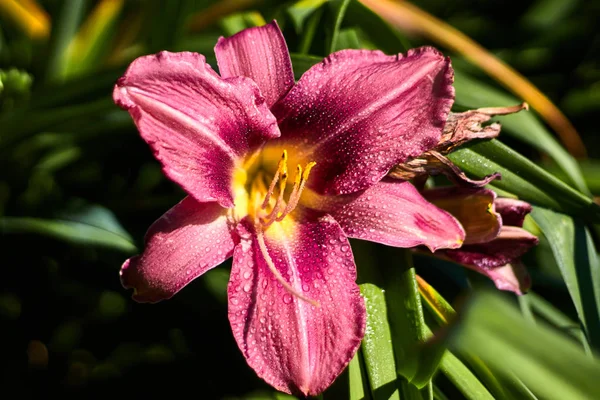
x,y
287,299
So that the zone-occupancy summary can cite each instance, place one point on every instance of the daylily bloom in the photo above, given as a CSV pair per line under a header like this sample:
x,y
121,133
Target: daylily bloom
x,y
495,239
294,306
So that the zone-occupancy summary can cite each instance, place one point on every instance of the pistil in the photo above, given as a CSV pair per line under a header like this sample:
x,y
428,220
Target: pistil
x,y
280,210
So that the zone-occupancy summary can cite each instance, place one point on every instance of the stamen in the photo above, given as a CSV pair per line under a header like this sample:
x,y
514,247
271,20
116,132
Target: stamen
x,y
298,188
281,169
265,253
279,203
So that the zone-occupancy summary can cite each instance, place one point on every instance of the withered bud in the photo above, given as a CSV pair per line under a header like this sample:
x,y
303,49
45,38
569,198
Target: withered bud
x,y
460,128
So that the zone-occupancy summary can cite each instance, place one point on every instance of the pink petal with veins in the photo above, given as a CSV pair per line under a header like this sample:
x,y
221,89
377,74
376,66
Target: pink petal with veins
x,y
260,54
184,243
392,213
199,125
360,112
293,345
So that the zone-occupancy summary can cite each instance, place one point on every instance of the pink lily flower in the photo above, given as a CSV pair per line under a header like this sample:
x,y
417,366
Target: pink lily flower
x,y
495,239
294,306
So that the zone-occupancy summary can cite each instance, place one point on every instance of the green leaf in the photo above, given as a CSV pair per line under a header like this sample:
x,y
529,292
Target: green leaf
x,y
548,363
358,384
471,93
405,315
303,10
443,313
302,62
349,39
94,215
25,123
384,37
77,90
165,22
64,28
556,318
306,40
89,47
377,346
69,231
463,378
338,10
523,178
436,304
576,256
590,169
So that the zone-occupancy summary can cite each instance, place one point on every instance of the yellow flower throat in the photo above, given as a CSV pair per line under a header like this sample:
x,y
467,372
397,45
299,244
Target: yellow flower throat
x,y
266,204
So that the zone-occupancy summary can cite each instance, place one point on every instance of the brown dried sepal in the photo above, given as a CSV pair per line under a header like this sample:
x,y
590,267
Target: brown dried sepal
x,y
460,128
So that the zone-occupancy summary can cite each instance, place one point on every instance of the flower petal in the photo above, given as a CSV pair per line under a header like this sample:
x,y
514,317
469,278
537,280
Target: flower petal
x,y
512,277
260,54
513,211
360,112
293,345
474,209
198,124
509,246
184,243
392,213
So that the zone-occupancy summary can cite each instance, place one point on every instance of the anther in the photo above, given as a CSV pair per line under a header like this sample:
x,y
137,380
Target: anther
x,y
298,188
281,170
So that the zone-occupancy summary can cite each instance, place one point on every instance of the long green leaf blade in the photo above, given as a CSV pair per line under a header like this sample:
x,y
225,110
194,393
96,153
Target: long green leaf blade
x,y
577,259
377,346
548,363
69,231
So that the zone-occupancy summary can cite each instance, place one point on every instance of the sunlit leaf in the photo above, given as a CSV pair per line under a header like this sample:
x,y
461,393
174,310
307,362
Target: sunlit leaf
x,y
463,378
557,319
407,323
85,52
576,256
65,29
377,346
523,178
28,16
358,384
551,365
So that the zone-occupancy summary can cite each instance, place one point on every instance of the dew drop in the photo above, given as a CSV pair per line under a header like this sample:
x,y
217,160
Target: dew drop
x,y
287,299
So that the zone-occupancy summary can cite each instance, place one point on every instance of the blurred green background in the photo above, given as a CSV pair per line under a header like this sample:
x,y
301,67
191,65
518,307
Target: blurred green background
x,y
78,187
